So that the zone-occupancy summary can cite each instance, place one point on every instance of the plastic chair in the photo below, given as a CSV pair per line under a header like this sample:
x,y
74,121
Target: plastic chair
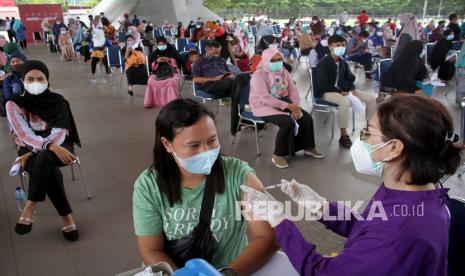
x,y
202,45
157,32
204,96
456,253
114,58
429,50
181,43
320,105
383,68
168,33
246,117
37,36
24,177
122,36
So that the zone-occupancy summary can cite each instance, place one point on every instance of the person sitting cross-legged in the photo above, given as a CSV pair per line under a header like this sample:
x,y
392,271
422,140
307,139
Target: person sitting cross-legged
x,y
334,82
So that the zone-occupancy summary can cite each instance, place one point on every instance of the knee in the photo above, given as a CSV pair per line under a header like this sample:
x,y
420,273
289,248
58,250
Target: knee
x,y
44,157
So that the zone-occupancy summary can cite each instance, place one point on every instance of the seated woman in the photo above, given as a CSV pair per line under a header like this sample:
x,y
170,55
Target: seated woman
x,y
110,31
274,98
136,70
163,84
289,47
241,58
320,51
97,47
44,129
406,70
12,84
188,174
410,144
66,45
438,60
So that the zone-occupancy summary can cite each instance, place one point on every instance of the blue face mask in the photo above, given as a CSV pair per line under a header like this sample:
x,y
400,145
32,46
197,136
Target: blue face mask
x,y
201,163
339,51
339,32
162,47
450,37
276,66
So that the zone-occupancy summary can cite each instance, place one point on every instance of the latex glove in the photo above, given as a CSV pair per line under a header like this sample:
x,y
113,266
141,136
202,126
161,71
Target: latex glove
x,y
264,206
303,195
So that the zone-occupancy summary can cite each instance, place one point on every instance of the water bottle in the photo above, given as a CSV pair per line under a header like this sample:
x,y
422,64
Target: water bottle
x,y
20,198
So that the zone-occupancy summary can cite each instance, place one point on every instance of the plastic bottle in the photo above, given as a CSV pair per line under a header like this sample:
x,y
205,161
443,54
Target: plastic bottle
x,y
20,198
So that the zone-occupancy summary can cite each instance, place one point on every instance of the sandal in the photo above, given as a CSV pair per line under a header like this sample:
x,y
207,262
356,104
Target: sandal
x,y
345,141
23,229
72,235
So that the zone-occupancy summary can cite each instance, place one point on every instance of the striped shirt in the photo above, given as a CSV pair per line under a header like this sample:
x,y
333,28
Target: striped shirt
x,y
24,126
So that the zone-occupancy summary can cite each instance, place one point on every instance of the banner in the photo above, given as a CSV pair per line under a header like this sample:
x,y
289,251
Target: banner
x,y
32,15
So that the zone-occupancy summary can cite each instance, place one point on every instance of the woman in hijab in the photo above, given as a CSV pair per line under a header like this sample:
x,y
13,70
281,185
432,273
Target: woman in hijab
x,y
45,131
20,33
408,32
267,41
149,39
12,49
136,72
163,84
65,43
110,31
274,98
406,70
99,43
13,85
439,54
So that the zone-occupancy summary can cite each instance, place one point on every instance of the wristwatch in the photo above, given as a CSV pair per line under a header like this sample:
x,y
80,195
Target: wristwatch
x,y
227,271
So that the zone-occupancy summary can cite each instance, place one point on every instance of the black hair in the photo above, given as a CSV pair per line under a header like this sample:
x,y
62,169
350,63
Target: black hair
x,y
442,22
212,44
173,117
425,128
105,21
364,34
129,36
364,11
336,39
452,16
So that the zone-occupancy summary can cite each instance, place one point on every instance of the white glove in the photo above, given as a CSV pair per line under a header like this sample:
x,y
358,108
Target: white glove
x,y
303,195
264,206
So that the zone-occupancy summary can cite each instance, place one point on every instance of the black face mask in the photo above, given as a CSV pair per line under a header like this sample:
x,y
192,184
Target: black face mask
x,y
16,67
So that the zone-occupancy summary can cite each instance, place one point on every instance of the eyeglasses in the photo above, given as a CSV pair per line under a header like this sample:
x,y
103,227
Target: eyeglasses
x,y
364,134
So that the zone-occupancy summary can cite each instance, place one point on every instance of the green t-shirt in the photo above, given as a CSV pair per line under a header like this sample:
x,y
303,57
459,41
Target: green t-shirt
x,y
153,215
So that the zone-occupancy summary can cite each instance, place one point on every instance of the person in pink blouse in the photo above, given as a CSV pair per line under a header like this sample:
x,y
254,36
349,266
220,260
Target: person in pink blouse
x,y
45,132
275,99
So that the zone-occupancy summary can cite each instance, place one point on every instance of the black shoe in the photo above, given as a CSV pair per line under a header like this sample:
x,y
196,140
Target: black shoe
x,y
130,93
70,235
345,142
23,229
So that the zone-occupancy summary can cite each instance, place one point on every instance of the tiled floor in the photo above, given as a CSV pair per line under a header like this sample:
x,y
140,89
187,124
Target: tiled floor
x,y
117,134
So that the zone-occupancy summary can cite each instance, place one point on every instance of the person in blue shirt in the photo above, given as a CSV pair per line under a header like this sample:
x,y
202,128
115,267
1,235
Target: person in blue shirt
x,y
57,29
135,20
12,85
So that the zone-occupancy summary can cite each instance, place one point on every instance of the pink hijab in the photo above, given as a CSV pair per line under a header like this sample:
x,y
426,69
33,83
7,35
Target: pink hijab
x,y
264,64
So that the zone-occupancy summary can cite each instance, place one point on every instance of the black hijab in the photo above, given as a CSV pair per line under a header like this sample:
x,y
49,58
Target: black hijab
x,y
440,51
265,43
51,107
406,69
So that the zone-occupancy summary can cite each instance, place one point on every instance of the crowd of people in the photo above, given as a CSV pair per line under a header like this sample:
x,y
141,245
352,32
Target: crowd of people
x,y
408,140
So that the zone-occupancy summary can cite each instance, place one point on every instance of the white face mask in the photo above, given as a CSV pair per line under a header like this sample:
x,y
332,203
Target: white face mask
x,y
362,157
274,46
324,43
35,88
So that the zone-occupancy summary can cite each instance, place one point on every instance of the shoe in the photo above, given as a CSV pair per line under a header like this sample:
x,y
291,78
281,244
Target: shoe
x,y
72,235
23,229
130,93
345,142
279,161
315,153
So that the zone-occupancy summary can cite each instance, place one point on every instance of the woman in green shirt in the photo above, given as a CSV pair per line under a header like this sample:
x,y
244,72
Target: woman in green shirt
x,y
168,196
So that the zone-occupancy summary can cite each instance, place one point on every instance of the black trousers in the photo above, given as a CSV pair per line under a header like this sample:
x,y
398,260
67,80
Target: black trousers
x,y
286,142
94,61
11,35
23,44
46,179
363,59
222,87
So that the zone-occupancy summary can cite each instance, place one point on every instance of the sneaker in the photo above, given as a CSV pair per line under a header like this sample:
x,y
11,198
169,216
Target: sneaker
x,y
345,142
279,161
130,93
315,153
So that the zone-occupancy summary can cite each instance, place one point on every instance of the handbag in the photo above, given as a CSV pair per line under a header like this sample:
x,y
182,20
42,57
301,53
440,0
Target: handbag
x,y
164,71
200,243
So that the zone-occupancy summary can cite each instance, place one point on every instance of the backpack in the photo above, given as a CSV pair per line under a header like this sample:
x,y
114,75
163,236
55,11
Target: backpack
x,y
164,71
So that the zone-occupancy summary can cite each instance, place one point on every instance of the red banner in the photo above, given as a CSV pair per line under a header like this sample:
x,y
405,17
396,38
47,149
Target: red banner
x,y
32,15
